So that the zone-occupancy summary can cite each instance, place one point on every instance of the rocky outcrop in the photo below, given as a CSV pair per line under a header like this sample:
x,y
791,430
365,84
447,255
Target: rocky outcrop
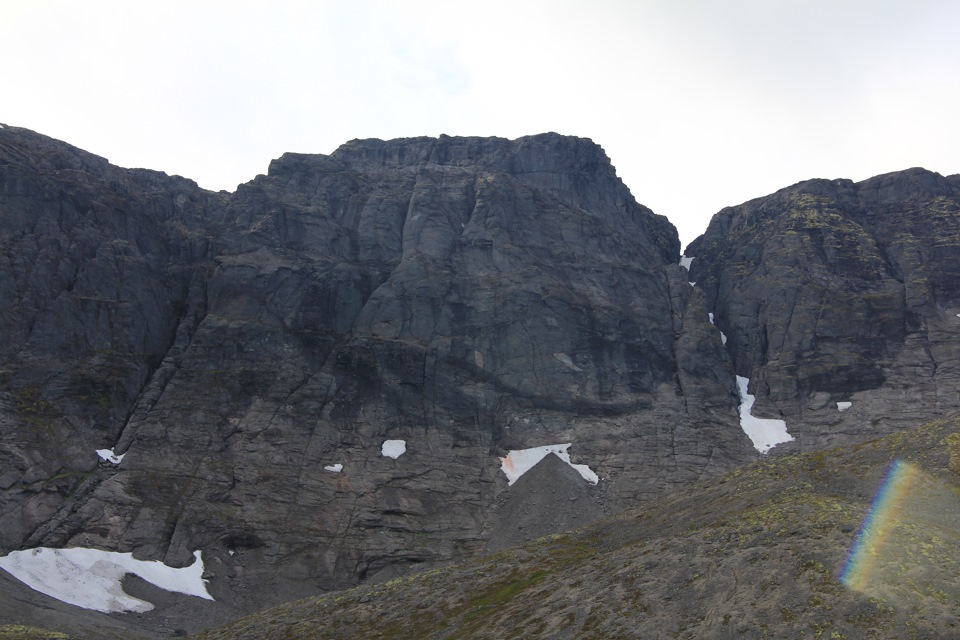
x,y
839,292
250,353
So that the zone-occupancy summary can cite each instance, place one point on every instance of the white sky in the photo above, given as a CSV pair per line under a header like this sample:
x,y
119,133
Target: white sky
x,y
700,104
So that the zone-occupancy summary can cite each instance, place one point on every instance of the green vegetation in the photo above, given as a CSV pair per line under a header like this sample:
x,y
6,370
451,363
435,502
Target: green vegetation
x,y
32,407
20,632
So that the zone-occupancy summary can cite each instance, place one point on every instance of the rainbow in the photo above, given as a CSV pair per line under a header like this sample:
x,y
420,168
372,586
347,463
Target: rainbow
x,y
884,514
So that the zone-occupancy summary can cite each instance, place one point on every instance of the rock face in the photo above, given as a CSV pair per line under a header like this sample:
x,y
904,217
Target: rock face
x,y
249,354
834,291
99,268
468,296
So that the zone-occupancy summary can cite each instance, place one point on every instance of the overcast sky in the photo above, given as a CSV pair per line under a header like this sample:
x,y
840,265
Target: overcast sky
x,y
700,104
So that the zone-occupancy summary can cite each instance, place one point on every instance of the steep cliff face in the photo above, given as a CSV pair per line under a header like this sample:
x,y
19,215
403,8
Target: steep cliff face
x,y
251,353
313,380
839,292
97,269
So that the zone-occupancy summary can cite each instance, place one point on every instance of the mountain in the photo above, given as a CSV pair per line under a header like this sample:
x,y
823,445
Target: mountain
x,y
418,351
834,291
468,297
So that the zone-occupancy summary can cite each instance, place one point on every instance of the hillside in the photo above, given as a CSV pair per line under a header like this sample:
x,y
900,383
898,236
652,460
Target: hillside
x,y
756,553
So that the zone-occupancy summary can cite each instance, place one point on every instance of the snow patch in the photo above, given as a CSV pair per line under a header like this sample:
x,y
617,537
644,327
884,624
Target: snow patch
x,y
109,456
91,578
723,338
336,468
567,361
393,448
685,262
692,284
843,406
520,461
763,432
711,317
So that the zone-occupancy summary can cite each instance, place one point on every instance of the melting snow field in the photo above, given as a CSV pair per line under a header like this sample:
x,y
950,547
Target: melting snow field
x,y
90,578
393,448
519,462
763,432
109,456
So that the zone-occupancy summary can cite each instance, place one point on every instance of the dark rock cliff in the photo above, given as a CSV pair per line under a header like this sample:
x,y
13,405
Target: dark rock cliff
x,y
99,267
834,291
250,353
468,296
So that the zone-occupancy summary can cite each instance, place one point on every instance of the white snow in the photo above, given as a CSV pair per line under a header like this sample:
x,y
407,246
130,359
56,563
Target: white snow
x,y
711,317
91,578
393,448
843,406
723,338
336,468
109,456
685,262
763,432
692,284
520,461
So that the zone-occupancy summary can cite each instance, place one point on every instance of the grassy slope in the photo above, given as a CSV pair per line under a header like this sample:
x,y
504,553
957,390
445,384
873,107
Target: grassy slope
x,y
20,632
754,554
